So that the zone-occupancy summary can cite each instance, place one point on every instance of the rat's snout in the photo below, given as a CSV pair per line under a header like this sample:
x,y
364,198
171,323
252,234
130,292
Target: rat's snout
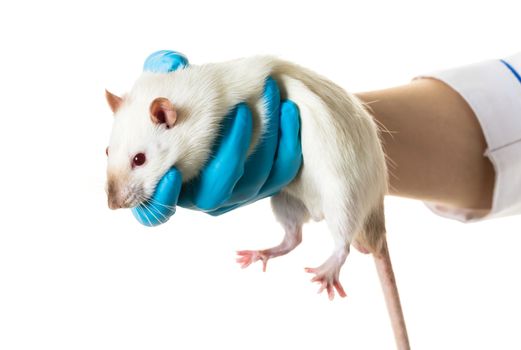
x,y
118,196
114,200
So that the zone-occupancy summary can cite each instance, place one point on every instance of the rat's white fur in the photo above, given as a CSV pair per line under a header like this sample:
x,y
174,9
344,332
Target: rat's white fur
x,y
343,178
339,138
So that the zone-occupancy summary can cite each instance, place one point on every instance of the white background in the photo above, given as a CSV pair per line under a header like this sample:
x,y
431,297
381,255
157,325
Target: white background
x,y
75,275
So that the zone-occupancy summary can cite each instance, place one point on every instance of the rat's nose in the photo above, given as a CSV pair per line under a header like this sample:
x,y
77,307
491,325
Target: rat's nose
x,y
114,199
113,203
118,199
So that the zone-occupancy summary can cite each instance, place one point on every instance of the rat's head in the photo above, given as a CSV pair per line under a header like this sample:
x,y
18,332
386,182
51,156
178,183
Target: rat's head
x,y
140,149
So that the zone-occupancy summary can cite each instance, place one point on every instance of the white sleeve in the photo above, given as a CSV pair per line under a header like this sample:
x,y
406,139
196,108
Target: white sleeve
x,y
493,91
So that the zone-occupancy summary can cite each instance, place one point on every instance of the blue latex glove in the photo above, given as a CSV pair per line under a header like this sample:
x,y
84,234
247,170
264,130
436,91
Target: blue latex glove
x,y
162,205
230,179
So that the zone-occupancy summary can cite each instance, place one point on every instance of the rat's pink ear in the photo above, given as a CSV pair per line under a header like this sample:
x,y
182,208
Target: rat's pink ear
x,y
113,100
163,111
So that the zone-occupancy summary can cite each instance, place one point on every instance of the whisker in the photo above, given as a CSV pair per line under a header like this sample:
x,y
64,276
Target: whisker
x,y
152,213
146,216
160,213
155,201
152,207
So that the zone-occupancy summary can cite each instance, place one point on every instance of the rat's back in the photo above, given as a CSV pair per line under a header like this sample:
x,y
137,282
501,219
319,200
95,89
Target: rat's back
x,y
343,178
341,149
343,161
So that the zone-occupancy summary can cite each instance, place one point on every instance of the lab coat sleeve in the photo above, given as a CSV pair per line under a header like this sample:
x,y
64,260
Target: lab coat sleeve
x,y
493,91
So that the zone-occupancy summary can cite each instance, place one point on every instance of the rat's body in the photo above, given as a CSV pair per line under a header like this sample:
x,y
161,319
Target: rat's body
x,y
343,178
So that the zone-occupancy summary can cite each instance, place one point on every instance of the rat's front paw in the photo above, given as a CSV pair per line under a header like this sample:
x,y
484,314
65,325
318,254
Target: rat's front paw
x,y
328,279
247,257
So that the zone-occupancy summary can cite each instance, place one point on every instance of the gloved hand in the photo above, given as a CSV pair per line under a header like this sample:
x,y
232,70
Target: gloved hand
x,y
230,179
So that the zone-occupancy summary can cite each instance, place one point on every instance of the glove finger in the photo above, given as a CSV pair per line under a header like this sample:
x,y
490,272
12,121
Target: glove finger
x,y
225,209
289,153
220,175
161,206
259,163
187,197
165,61
287,160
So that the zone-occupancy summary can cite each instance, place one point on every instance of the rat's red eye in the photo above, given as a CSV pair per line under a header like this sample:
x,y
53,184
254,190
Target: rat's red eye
x,y
107,151
139,159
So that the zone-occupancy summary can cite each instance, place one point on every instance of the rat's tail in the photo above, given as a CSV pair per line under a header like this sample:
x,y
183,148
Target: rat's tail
x,y
392,298
372,240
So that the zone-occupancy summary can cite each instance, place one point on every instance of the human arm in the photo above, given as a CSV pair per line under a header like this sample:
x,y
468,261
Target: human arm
x,y
457,138
434,144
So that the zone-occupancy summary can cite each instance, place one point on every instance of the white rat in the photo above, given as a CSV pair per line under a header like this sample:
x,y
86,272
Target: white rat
x,y
172,119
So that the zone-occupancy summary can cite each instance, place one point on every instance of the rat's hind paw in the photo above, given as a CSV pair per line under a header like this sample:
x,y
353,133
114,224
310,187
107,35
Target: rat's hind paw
x,y
328,280
247,257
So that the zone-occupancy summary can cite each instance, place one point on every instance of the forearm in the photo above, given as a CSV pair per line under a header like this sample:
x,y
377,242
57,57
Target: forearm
x,y
434,144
